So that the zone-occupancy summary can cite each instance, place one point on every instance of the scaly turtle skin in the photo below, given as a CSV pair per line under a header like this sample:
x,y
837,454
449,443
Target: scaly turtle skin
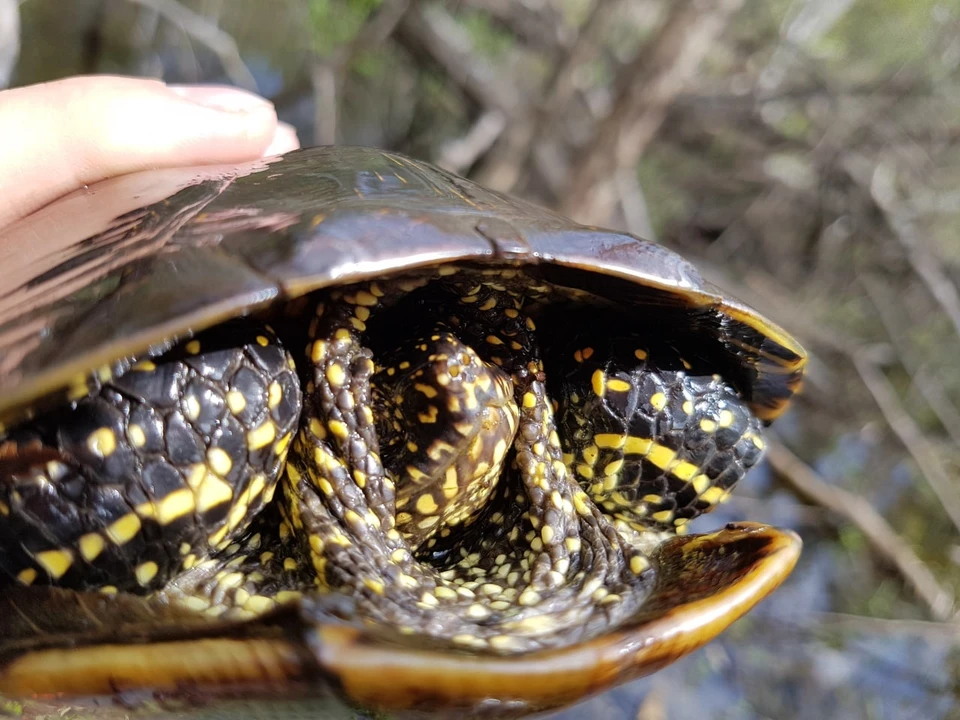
x,y
342,421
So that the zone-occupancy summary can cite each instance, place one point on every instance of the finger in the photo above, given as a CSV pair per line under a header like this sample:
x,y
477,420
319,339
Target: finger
x,y
284,140
59,136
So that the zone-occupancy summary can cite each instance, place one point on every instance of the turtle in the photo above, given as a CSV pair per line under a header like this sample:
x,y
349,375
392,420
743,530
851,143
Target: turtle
x,y
341,423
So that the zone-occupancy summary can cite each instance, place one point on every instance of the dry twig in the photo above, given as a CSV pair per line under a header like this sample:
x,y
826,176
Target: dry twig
x,y
458,155
207,33
328,74
431,29
929,387
649,84
859,513
925,263
913,439
510,158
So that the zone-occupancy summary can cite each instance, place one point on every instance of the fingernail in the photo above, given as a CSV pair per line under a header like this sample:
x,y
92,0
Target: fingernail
x,y
222,97
284,140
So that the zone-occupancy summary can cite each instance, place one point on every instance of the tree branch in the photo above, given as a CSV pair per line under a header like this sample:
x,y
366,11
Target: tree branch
x,y
432,29
859,513
205,32
648,86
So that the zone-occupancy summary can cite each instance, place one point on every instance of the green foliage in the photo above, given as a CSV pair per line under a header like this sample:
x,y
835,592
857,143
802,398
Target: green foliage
x,y
334,23
10,708
485,37
877,37
369,63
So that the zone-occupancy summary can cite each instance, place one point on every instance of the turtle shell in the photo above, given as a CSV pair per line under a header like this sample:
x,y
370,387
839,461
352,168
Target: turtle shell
x,y
128,266
136,262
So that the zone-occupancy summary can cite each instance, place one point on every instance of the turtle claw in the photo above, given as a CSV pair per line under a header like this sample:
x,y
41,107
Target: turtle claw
x,y
704,583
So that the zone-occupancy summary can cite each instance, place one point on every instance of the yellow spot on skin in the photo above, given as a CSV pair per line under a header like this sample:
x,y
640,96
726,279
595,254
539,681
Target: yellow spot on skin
x,y
701,483
175,505
374,585
212,492
258,604
599,383
640,354
546,533
236,402
528,598
687,407
317,351
428,390
91,545
219,461
726,418
712,495
317,429
262,436
661,456
579,502
281,445
286,596
289,564
145,366
428,417
590,454
637,446
146,572
102,442
366,299
609,440
262,341
27,576
708,425
335,375
191,407
257,483
618,385
684,470
192,347
659,401
274,395
758,442
231,580
529,400
55,562
613,467
339,429
638,564
137,437
663,516
123,530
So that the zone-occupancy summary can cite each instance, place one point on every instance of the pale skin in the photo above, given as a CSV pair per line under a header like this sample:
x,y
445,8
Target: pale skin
x,y
59,136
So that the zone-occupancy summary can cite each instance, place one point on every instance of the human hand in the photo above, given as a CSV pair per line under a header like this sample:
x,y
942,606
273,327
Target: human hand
x,y
59,136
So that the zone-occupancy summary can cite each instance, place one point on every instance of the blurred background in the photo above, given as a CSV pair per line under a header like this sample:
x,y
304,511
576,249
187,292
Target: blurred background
x,y
804,153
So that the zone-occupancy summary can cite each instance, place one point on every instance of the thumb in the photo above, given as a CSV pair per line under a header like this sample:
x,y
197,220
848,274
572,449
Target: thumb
x,y
59,136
